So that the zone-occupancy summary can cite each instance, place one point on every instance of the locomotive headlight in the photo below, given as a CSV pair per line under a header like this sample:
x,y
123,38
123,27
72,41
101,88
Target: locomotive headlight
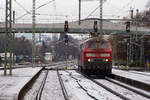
x,y
106,60
89,60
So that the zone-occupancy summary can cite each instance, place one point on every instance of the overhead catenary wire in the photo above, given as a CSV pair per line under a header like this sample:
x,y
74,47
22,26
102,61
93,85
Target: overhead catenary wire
x,y
125,6
45,4
35,9
120,10
95,9
22,7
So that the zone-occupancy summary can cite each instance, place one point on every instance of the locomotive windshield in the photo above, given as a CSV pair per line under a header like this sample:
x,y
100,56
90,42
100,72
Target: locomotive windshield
x,y
100,45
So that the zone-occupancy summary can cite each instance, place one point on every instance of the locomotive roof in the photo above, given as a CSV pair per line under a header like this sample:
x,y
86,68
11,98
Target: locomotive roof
x,y
93,38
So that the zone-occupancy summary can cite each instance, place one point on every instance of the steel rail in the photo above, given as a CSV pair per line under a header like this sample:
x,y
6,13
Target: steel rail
x,y
105,87
39,94
127,87
63,86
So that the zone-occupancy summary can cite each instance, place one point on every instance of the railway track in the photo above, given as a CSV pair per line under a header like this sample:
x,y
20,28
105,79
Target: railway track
x,y
63,86
141,94
91,96
127,87
39,93
106,87
139,73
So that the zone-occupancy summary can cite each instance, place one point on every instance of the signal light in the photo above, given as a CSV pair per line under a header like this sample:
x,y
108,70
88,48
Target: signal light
x,y
66,26
128,26
95,26
43,44
66,39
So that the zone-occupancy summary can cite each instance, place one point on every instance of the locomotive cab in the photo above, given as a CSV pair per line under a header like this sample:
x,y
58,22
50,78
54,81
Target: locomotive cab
x,y
96,57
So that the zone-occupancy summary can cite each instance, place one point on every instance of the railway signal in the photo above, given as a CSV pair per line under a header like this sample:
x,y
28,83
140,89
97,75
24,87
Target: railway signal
x,y
43,44
66,39
95,26
66,26
127,26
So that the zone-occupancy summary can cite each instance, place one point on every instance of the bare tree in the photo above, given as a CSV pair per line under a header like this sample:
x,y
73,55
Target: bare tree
x,y
148,4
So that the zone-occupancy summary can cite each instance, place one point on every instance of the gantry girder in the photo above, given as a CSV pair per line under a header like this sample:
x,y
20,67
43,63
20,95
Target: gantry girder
x,y
8,38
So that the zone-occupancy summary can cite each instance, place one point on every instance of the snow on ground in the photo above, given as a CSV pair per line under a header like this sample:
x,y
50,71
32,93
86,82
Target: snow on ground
x,y
129,94
76,93
133,76
61,65
144,73
52,88
11,85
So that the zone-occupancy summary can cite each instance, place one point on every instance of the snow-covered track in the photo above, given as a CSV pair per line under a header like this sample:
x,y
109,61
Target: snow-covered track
x,y
106,87
15,67
135,83
77,80
28,85
63,86
106,83
137,91
38,96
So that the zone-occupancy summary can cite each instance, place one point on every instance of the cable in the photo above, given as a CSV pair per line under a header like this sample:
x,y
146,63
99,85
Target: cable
x,y
44,4
90,15
93,11
35,9
22,7
124,7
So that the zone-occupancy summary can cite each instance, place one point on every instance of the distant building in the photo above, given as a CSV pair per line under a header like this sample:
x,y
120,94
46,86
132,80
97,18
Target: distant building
x,y
49,56
3,56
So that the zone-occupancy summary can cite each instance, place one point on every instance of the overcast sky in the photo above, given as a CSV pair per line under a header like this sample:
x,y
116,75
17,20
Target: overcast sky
x,y
68,9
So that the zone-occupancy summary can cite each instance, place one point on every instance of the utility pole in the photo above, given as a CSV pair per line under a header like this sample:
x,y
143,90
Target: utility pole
x,y
8,37
132,14
33,33
127,53
130,44
13,39
40,38
142,53
137,11
101,16
136,57
115,49
79,12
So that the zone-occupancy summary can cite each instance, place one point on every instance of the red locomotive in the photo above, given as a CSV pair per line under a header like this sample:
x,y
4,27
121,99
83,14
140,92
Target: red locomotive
x,y
95,57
